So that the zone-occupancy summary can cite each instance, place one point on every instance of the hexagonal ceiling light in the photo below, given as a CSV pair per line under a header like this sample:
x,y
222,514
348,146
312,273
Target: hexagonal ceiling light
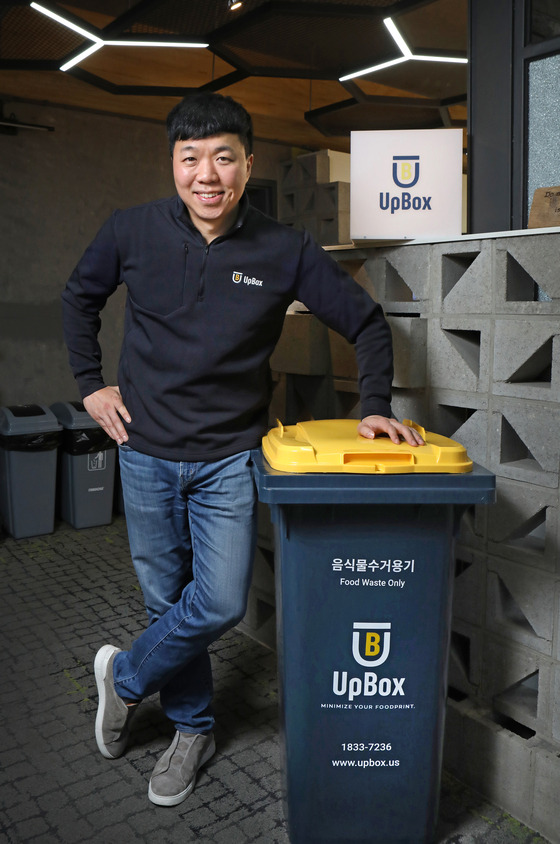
x,y
366,111
98,42
407,55
313,40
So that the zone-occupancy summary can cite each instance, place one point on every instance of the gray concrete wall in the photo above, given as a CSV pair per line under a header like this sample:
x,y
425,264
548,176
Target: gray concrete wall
x,y
56,190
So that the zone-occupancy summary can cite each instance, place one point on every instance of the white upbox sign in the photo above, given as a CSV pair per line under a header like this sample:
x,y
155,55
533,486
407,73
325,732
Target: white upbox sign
x,y
406,184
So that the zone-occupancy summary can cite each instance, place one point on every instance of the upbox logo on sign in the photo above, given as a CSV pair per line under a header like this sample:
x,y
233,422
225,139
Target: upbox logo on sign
x,y
406,172
406,185
371,646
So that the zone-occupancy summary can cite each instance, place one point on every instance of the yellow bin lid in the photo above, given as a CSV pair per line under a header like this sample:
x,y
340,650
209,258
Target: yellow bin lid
x,y
334,445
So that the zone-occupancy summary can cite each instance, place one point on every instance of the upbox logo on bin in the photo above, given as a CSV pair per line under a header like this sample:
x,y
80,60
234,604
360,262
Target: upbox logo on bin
x,y
371,645
406,184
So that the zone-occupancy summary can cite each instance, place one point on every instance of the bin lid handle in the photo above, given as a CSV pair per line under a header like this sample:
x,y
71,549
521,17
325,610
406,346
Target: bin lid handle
x,y
416,426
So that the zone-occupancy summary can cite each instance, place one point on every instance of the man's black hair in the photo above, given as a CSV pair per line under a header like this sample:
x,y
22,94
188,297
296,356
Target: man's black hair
x,y
205,114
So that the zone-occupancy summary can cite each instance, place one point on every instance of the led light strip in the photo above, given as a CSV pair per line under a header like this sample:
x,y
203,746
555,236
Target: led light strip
x,y
397,38
407,55
99,42
83,55
64,22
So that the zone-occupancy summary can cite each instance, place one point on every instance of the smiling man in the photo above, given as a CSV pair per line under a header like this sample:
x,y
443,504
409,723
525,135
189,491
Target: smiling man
x,y
210,176
209,279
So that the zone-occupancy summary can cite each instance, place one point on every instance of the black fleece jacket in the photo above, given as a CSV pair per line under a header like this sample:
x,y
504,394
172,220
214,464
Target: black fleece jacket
x,y
202,321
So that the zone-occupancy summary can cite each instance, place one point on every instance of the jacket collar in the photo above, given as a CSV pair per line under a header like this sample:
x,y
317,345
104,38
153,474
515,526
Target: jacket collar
x,y
182,214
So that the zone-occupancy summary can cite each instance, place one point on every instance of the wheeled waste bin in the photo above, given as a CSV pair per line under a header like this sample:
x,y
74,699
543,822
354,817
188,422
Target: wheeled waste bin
x,y
29,438
87,467
364,533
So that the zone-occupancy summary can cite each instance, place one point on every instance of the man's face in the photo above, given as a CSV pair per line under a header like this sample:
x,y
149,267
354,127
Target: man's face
x,y
210,176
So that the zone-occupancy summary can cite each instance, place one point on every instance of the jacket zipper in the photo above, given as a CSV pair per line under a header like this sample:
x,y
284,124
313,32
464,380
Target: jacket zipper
x,y
186,249
202,282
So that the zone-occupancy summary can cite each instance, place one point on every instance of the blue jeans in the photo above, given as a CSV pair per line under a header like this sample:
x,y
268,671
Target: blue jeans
x,y
192,534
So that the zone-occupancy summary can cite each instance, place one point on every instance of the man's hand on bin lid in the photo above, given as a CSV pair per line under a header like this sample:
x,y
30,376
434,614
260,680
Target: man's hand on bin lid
x,y
371,426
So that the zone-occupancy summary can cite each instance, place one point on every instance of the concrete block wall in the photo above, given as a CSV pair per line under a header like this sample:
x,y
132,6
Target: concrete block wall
x,y
491,310
314,194
476,328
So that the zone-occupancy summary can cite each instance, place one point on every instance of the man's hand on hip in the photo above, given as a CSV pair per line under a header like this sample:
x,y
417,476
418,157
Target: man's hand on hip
x,y
107,408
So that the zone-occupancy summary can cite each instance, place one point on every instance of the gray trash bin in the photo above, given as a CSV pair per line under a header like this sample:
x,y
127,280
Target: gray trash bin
x,y
29,438
87,467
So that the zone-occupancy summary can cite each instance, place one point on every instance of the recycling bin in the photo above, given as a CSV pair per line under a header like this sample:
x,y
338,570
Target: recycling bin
x,y
364,562
29,438
87,467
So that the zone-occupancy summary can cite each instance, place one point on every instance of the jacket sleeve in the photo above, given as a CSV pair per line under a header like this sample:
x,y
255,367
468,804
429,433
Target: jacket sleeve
x,y
342,304
94,279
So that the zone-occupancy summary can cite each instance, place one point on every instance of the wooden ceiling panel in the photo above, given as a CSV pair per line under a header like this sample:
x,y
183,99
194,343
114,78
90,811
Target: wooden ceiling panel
x,y
425,79
275,105
62,89
440,27
168,66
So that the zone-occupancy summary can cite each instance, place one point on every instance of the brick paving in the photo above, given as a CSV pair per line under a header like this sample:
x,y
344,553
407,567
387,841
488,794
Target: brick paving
x,y
61,597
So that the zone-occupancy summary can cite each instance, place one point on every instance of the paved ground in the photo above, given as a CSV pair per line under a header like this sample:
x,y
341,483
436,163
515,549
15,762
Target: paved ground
x,y
61,597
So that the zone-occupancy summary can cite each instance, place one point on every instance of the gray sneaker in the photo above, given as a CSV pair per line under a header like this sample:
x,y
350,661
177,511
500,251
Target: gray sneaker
x,y
175,773
113,714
